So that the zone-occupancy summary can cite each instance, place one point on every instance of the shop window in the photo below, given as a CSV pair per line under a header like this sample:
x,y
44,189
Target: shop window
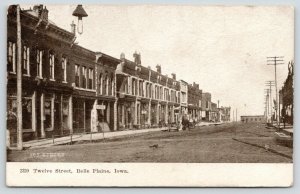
x,y
51,65
39,63
65,113
78,115
26,66
77,75
64,68
48,106
27,112
11,57
12,114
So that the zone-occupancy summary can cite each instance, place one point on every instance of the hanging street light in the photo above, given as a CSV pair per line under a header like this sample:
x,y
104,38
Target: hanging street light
x,y
79,12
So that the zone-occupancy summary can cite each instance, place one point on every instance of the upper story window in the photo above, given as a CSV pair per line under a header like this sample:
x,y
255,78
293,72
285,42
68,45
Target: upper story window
x,y
133,86
105,85
125,86
84,77
91,78
26,66
39,63
11,57
141,91
112,85
64,68
51,65
77,76
100,83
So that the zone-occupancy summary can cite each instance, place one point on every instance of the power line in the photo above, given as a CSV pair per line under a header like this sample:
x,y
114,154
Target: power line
x,y
276,60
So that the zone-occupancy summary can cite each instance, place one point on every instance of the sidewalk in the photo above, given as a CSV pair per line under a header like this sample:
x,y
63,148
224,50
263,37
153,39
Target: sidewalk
x,y
94,136
83,137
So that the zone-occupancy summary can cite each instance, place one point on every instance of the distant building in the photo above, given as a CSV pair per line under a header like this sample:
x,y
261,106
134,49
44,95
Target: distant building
x,y
194,102
206,106
253,119
224,114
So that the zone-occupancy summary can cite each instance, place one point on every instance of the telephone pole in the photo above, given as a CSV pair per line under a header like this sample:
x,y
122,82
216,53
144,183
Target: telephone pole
x,y
270,84
276,61
19,83
267,103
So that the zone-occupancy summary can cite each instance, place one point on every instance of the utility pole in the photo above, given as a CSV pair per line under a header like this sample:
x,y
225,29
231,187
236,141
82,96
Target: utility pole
x,y
232,115
19,83
276,61
270,84
236,115
267,103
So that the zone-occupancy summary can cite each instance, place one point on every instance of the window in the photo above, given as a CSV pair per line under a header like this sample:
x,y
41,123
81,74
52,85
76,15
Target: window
x,y
133,86
27,112
141,91
64,68
126,86
51,65
48,107
26,69
91,77
84,77
39,65
77,75
104,85
100,83
11,58
112,84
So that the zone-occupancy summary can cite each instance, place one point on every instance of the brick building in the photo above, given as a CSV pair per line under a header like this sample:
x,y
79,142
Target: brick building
x,y
146,98
206,106
253,119
69,89
194,102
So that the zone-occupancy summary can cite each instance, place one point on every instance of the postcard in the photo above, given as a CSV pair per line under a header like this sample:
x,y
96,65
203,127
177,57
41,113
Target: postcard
x,y
150,96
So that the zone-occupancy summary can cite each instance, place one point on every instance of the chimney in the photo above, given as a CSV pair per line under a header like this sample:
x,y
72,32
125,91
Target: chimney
x,y
41,11
158,69
38,9
173,76
73,28
137,58
45,14
196,85
122,57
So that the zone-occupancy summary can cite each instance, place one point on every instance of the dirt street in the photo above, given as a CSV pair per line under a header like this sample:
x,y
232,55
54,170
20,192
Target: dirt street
x,y
226,143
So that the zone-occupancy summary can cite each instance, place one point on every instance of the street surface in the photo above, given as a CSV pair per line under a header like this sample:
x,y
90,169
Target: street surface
x,y
226,143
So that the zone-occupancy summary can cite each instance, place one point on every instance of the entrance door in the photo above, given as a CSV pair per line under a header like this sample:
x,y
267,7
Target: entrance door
x,y
57,120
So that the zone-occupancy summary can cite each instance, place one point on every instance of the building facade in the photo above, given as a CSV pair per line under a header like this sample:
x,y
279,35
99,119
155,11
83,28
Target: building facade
x,y
194,102
46,63
146,98
206,106
68,89
253,119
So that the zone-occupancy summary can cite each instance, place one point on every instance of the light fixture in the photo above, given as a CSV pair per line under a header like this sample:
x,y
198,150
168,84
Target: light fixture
x,y
79,12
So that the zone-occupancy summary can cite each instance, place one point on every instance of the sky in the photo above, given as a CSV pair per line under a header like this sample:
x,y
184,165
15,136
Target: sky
x,y
222,48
